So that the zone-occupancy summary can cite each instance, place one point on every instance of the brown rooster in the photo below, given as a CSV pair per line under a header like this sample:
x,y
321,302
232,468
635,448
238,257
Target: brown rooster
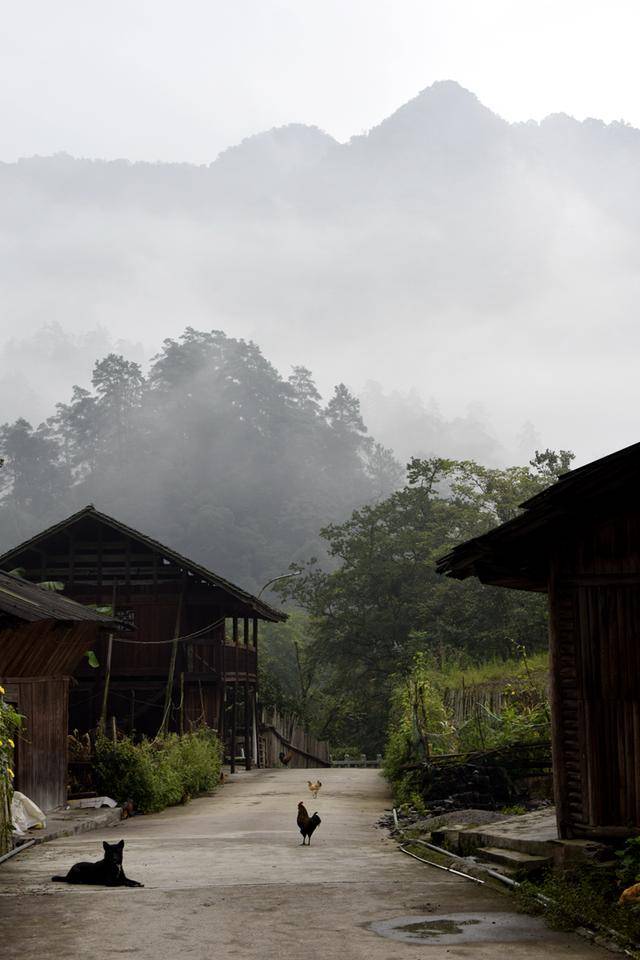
x,y
285,758
630,895
314,787
306,824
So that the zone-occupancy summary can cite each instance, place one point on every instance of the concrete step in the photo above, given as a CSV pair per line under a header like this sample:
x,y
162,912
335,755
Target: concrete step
x,y
449,836
69,823
533,833
513,861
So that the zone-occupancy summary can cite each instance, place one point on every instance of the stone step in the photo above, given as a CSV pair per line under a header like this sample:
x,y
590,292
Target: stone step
x,y
513,861
534,833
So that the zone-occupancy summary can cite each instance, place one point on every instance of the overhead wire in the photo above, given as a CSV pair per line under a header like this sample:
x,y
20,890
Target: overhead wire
x,y
183,639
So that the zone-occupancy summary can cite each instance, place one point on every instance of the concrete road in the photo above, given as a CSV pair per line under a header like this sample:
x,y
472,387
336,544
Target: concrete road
x,y
226,877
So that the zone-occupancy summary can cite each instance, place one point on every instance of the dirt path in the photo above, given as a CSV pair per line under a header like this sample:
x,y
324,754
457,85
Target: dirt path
x,y
225,877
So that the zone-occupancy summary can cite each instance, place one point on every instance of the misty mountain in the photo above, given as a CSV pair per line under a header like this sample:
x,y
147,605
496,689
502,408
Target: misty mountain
x,y
446,250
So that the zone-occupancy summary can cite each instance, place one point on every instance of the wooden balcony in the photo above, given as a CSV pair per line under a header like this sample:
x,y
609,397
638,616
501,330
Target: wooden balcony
x,y
240,662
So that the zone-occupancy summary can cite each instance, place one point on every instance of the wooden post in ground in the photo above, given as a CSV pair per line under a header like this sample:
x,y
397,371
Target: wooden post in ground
x,y
248,745
234,702
181,728
256,723
105,691
102,723
164,726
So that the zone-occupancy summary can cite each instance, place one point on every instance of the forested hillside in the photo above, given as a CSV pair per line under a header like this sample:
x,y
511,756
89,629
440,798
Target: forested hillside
x,y
380,604
213,452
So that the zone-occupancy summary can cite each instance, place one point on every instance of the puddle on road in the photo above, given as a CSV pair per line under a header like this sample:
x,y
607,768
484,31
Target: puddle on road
x,y
426,929
452,928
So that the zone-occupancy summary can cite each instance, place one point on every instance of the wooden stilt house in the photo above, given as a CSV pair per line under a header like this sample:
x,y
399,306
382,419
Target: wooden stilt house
x,y
190,654
579,542
43,637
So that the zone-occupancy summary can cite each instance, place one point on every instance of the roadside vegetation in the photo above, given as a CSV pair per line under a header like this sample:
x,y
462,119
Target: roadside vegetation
x,y
587,896
159,773
375,611
441,711
10,723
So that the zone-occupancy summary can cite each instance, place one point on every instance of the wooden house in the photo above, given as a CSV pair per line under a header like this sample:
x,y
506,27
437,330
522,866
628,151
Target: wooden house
x,y
190,653
43,637
579,542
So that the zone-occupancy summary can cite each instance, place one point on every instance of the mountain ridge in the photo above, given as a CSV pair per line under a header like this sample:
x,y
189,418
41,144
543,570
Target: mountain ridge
x,y
436,250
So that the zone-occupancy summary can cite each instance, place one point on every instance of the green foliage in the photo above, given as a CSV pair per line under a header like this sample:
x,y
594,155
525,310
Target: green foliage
x,y
457,671
422,725
585,896
628,868
10,724
518,722
159,773
238,461
379,601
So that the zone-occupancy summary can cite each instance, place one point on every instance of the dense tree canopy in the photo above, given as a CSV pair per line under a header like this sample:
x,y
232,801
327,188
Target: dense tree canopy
x,y
213,452
384,602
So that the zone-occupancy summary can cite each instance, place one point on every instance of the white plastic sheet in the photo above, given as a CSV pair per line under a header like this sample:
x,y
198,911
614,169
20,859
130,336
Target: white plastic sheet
x,y
25,814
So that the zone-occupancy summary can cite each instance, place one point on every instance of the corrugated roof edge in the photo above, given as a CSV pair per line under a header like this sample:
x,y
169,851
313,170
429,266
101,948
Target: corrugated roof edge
x,y
268,612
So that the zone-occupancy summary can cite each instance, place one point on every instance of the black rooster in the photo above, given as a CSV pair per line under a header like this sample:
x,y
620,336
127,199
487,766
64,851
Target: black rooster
x,y
306,823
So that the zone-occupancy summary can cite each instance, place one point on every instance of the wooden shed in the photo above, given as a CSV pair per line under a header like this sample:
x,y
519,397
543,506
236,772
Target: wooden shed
x,y
43,636
208,676
579,542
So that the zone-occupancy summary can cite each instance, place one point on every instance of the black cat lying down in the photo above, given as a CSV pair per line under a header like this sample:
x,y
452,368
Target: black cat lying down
x,y
107,872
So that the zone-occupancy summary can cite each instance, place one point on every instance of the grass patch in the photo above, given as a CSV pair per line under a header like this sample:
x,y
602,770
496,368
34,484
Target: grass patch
x,y
586,896
494,671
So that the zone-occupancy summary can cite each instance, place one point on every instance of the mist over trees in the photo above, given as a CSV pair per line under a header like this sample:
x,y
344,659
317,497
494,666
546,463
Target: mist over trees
x,y
433,251
213,452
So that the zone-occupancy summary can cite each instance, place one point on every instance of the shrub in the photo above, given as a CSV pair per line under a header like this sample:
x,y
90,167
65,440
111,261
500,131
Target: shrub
x,y
10,723
159,773
420,727
628,869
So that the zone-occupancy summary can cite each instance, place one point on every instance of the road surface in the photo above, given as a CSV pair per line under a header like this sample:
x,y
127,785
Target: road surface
x,y
225,877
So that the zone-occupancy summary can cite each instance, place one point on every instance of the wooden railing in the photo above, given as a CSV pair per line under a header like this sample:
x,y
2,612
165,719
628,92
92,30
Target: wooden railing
x,y
283,734
241,659
359,761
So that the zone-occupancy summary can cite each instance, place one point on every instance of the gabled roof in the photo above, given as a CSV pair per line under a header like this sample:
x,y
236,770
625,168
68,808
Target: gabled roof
x,y
507,555
260,609
27,601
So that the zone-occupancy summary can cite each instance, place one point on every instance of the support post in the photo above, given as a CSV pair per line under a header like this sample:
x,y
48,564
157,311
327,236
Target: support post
x,y
248,739
254,703
107,670
132,723
234,702
105,691
181,728
164,725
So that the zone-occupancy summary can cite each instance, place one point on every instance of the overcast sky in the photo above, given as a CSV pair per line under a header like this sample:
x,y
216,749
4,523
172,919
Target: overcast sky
x,y
169,80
